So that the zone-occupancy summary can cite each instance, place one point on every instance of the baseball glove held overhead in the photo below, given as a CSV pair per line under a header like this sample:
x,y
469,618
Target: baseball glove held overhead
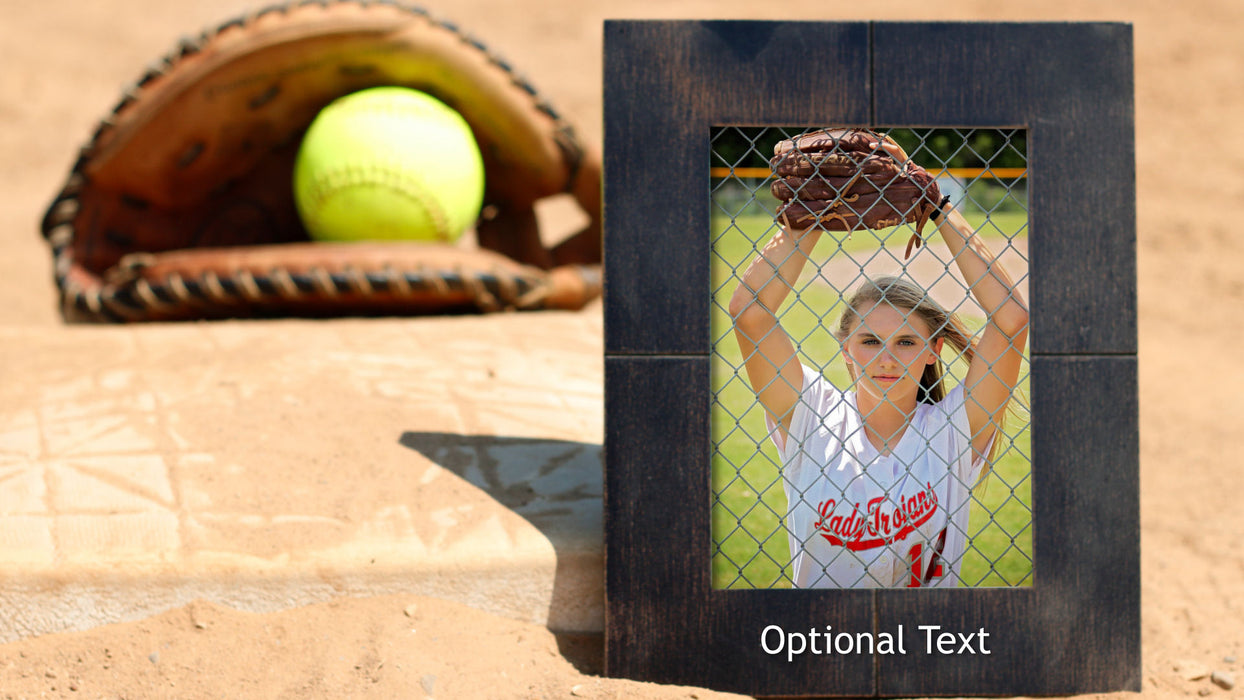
x,y
182,206
846,179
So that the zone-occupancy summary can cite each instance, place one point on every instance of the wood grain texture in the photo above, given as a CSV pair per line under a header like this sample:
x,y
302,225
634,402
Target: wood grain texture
x,y
1071,86
656,522
1086,498
663,621
667,83
1077,630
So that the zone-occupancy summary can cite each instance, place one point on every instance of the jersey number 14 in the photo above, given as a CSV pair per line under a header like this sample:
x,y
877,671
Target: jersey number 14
x,y
920,576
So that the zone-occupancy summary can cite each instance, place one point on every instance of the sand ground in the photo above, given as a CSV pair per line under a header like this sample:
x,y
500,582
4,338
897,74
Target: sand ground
x,y
62,64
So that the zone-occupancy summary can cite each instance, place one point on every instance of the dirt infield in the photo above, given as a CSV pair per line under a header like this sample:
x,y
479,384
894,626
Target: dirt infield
x,y
64,64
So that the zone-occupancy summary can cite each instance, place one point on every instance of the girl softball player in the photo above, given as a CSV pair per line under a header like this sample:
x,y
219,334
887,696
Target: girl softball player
x,y
878,478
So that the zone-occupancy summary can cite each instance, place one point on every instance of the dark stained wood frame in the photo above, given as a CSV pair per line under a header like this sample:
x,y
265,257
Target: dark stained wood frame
x,y
666,84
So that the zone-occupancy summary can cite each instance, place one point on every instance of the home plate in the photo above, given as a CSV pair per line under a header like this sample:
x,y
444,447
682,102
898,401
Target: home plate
x,y
265,465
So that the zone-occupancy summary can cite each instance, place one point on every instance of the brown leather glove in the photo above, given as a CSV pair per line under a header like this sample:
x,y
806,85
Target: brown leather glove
x,y
847,179
181,205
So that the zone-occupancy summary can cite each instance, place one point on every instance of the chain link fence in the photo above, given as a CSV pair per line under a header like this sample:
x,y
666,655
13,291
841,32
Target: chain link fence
x,y
844,503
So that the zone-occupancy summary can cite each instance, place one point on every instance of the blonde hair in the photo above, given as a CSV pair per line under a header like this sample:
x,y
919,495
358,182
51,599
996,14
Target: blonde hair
x,y
904,295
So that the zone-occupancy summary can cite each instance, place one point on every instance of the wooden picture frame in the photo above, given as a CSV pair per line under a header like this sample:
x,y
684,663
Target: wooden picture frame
x,y
666,84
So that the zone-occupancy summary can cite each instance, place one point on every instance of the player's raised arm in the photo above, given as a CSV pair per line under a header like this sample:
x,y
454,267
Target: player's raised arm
x,y
994,370
769,357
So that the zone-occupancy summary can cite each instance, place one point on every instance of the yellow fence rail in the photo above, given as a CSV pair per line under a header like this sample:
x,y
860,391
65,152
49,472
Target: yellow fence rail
x,y
964,173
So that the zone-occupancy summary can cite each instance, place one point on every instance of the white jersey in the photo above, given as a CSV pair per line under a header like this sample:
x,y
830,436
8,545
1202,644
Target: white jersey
x,y
859,519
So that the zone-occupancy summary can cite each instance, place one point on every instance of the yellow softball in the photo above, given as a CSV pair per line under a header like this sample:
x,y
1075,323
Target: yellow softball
x,y
388,163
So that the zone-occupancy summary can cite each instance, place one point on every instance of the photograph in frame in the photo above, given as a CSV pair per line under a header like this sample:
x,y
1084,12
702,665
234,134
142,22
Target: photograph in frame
x,y
915,510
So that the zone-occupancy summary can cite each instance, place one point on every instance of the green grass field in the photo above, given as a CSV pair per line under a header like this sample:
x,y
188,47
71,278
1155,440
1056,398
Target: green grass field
x,y
751,544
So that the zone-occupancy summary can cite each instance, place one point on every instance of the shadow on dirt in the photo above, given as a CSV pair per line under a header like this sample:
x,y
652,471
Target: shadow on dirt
x,y
557,486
